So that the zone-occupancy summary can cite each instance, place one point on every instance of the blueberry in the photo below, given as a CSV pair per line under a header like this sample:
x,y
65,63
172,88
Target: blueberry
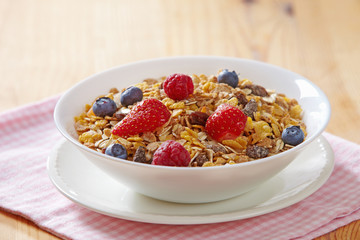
x,y
230,78
293,135
130,96
104,106
116,150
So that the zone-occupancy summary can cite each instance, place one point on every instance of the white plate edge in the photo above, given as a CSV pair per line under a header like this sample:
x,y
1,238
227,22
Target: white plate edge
x,y
201,219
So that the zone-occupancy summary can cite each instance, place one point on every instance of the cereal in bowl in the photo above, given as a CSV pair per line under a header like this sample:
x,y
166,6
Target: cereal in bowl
x,y
194,121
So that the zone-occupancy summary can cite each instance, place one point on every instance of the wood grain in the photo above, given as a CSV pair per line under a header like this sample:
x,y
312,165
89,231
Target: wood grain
x,y
48,46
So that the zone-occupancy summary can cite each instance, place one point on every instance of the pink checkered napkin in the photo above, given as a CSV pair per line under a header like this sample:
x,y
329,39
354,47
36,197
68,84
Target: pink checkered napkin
x,y
27,135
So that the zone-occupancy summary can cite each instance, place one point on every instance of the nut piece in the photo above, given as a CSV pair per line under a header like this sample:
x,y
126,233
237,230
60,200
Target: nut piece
x,y
257,90
113,90
198,118
250,108
120,114
149,137
153,146
254,151
140,155
241,98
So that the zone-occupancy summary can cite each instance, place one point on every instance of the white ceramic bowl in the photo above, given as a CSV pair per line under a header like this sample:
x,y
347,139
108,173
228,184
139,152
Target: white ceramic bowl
x,y
194,185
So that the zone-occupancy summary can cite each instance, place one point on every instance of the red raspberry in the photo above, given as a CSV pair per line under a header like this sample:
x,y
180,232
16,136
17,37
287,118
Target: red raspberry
x,y
227,122
178,86
144,117
171,153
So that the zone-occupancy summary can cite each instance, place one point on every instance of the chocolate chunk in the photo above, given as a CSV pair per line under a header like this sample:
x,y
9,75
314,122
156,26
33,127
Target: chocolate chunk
x,y
241,98
250,108
198,118
200,160
257,90
216,148
254,151
139,155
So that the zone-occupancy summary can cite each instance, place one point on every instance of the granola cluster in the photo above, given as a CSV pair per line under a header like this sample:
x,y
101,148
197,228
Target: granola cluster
x,y
268,114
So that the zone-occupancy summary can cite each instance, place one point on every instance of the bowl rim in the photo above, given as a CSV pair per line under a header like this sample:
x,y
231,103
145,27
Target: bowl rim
x,y
104,157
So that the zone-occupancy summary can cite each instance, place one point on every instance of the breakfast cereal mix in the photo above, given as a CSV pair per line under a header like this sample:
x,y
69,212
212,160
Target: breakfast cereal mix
x,y
218,119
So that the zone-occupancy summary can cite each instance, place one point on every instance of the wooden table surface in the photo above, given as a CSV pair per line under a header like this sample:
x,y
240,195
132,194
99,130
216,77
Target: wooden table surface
x,y
48,46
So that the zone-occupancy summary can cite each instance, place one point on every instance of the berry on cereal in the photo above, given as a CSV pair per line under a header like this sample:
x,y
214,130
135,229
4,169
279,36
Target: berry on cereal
x,y
144,117
227,122
171,153
116,150
131,96
230,78
178,86
104,106
293,135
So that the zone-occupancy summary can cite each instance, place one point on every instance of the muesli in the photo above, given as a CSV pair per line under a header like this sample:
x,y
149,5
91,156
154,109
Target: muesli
x,y
195,114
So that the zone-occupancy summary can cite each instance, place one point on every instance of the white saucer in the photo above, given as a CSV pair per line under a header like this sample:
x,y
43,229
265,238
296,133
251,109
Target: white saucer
x,y
79,180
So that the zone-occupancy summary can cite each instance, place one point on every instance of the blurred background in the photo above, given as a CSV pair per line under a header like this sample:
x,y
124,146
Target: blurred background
x,y
48,46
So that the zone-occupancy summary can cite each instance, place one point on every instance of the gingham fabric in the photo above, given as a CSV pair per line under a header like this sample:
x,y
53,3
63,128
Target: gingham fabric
x,y
27,135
